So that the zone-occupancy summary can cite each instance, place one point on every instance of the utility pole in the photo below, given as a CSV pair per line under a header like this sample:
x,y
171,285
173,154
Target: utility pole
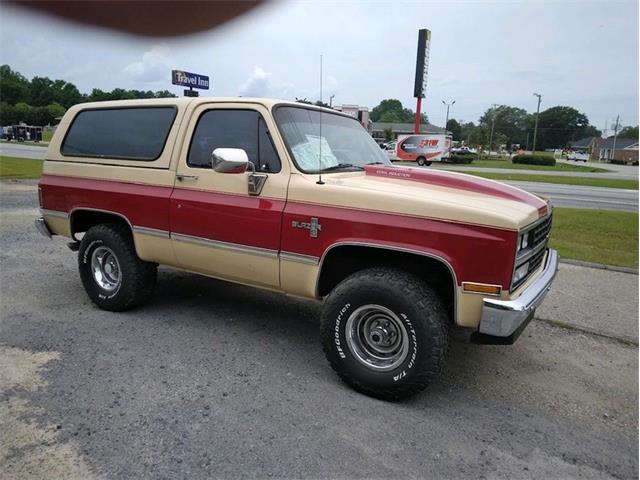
x,y
615,136
447,120
535,129
493,124
331,100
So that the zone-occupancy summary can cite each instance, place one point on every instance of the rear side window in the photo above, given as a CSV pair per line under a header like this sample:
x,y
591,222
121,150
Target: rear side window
x,y
125,133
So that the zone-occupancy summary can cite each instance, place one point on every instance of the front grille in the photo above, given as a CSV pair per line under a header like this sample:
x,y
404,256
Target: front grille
x,y
538,239
540,232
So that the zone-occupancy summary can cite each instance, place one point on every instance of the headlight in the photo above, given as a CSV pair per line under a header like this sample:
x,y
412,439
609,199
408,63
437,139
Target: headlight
x,y
521,272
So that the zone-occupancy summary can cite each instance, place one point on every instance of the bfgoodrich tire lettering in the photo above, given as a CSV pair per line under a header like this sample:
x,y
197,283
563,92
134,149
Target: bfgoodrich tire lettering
x,y
123,280
393,301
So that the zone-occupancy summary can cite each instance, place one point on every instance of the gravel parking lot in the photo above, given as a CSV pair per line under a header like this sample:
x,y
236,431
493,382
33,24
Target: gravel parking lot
x,y
220,380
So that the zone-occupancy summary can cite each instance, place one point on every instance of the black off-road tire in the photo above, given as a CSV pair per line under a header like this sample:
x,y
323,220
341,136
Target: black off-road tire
x,y
420,309
138,278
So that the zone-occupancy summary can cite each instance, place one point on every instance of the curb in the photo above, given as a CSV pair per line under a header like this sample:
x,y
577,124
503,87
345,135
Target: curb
x,y
591,331
599,266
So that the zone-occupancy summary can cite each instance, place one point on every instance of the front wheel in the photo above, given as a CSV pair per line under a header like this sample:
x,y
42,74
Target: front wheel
x,y
421,161
113,275
385,332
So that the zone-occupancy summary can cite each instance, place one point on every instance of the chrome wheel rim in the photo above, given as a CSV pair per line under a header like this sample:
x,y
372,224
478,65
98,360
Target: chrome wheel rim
x,y
105,268
377,337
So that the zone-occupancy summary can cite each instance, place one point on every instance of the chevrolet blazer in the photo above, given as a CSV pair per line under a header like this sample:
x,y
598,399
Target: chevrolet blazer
x,y
299,200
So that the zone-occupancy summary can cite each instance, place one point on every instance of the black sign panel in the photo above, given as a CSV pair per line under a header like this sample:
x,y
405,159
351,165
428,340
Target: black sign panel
x,y
422,63
191,93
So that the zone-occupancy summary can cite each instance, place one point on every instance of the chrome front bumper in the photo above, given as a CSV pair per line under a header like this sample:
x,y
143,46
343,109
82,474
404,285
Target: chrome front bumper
x,y
504,320
42,227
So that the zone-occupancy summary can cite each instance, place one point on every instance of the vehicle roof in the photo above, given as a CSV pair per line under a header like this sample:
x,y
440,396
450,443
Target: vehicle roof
x,y
184,101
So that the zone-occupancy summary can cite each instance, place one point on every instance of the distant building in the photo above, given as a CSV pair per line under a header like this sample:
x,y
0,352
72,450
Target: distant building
x,y
378,129
588,145
626,150
361,113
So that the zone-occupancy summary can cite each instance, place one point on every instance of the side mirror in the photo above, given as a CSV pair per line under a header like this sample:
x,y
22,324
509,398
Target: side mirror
x,y
229,160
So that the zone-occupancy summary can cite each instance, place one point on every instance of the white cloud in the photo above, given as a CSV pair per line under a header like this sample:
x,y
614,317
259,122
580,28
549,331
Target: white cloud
x,y
261,84
155,65
258,84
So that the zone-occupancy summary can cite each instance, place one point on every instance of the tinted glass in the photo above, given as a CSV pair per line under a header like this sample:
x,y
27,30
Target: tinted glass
x,y
244,129
125,133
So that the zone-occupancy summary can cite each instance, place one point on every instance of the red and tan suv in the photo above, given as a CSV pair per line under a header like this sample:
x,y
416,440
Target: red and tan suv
x,y
299,200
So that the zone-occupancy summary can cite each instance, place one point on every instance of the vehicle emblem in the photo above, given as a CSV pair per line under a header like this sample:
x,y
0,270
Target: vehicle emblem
x,y
313,226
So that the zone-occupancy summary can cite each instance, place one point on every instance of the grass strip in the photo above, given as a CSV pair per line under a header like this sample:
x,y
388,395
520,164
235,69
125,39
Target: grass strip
x,y
584,181
600,236
14,167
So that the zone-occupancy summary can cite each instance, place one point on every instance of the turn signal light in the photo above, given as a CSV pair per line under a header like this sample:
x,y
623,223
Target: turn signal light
x,y
481,288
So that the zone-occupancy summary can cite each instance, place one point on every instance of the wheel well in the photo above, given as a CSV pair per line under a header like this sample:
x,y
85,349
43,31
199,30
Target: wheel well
x,y
345,260
83,220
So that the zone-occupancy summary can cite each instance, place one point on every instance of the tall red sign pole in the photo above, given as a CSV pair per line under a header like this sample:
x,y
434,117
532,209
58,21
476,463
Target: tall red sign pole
x,y
422,67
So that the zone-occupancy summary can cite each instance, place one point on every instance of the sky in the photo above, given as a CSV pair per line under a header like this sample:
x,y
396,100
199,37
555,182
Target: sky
x,y
582,54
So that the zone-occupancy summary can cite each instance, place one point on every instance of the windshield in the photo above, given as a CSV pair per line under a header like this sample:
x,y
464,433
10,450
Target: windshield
x,y
343,144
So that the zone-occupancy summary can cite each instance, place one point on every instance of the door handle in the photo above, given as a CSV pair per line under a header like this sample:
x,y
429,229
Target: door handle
x,y
182,178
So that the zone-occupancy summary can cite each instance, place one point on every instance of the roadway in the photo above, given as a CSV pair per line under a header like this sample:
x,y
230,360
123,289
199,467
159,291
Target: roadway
x,y
573,196
22,151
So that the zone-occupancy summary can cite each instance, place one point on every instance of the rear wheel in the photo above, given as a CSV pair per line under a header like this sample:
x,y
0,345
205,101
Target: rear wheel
x,y
111,272
421,161
428,164
385,332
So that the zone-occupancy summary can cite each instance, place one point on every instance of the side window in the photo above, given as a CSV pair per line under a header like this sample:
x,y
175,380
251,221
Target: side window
x,y
135,133
244,129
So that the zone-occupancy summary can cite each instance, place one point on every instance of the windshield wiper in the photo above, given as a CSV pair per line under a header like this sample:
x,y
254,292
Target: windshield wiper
x,y
340,166
375,163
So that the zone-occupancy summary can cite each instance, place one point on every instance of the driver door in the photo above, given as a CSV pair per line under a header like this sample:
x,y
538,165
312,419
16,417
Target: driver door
x,y
217,227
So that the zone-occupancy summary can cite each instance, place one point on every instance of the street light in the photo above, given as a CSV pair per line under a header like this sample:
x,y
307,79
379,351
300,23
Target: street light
x,y
535,129
493,124
447,120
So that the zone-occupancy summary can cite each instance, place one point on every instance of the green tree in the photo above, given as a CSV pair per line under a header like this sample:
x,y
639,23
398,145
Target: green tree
x,y
8,114
465,131
557,126
479,137
513,122
454,127
164,94
391,108
388,135
55,110
23,112
14,87
629,132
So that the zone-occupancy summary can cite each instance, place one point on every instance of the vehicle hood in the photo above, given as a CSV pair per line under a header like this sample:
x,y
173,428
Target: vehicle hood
x,y
420,192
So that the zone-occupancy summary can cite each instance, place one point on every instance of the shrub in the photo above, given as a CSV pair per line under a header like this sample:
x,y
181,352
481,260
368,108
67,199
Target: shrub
x,y
461,158
535,159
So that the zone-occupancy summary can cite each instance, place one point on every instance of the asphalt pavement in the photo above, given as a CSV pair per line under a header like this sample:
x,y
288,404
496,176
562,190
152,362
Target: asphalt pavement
x,y
575,196
22,151
214,380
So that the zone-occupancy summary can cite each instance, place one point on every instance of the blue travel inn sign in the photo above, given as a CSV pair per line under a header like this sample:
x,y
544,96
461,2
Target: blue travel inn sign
x,y
188,79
